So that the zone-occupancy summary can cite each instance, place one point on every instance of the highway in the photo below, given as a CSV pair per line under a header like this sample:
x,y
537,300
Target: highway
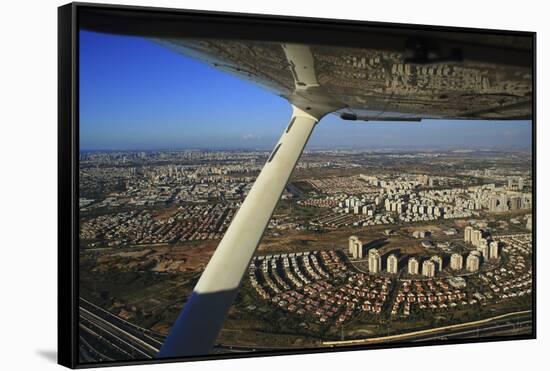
x,y
488,330
520,322
105,336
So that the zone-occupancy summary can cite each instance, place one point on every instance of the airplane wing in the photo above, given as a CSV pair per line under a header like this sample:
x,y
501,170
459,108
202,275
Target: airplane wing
x,y
381,72
371,84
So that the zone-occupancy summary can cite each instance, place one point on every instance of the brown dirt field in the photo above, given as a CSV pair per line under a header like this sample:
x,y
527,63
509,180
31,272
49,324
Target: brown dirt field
x,y
164,213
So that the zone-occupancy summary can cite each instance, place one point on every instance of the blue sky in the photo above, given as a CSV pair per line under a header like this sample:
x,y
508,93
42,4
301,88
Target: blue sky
x,y
135,94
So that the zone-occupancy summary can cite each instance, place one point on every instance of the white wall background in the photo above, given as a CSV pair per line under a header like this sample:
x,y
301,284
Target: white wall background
x,y
28,127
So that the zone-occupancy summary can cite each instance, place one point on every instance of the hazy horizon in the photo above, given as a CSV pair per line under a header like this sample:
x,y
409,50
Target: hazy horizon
x,y
320,148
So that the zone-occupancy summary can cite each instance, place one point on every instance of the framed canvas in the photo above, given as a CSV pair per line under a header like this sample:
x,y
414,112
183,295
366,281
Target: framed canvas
x,y
237,185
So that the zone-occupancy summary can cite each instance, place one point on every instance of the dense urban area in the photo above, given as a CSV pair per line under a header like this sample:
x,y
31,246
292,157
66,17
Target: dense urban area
x,y
364,246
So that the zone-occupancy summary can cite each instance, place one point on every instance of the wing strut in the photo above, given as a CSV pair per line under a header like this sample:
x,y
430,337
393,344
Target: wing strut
x,y
200,321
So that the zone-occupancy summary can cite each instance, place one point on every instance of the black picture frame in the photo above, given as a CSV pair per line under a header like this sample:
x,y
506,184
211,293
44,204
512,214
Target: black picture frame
x,y
137,19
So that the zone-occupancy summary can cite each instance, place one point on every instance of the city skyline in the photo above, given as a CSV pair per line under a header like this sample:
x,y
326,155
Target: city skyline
x,y
132,90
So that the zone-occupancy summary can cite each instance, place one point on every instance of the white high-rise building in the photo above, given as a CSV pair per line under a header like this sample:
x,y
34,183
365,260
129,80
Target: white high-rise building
x,y
456,262
472,261
412,266
484,250
468,234
493,250
358,252
428,268
355,247
438,261
375,262
477,235
352,243
391,264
